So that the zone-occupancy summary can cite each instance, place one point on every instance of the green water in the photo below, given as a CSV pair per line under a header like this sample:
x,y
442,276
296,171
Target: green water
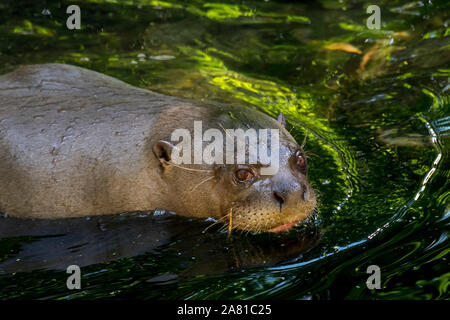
x,y
373,104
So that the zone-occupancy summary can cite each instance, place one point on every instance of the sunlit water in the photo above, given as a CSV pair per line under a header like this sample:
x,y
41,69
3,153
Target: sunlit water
x,y
373,105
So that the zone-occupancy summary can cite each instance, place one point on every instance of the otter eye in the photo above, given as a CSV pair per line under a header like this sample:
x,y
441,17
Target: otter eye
x,y
300,161
244,175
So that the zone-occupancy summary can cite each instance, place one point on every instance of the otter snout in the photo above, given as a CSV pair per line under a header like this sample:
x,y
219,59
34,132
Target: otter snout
x,y
279,197
282,196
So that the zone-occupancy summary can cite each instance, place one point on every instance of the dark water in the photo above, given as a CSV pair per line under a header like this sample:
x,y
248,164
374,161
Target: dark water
x,y
373,104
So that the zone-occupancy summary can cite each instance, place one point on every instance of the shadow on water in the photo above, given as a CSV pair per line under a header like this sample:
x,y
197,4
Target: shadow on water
x,y
56,244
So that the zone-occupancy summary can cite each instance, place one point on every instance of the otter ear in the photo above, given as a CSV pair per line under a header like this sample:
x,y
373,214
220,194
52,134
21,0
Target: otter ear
x,y
163,150
282,120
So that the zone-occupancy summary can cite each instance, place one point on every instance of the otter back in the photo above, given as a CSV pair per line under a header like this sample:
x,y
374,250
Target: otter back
x,y
65,137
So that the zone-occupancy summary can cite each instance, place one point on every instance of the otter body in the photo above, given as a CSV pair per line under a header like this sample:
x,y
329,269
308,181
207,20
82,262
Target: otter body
x,y
74,142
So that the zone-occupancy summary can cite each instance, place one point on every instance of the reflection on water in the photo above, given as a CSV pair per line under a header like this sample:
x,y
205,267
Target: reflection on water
x,y
194,248
374,107
56,244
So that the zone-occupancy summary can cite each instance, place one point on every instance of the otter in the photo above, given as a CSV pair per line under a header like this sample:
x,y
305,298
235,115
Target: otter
x,y
74,143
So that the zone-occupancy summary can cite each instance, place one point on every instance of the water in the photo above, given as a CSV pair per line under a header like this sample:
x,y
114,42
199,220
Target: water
x,y
374,107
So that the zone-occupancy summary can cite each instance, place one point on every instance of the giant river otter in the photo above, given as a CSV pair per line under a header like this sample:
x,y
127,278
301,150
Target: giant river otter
x,y
74,142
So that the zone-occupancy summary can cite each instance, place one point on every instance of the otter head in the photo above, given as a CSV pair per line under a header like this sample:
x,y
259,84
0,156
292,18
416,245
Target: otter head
x,y
243,196
270,202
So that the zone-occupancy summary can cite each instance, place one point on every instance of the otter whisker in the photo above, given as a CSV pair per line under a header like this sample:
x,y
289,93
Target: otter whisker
x,y
184,168
219,220
290,131
211,225
308,153
304,142
238,227
224,227
304,139
260,227
226,132
265,226
207,179
247,231
318,193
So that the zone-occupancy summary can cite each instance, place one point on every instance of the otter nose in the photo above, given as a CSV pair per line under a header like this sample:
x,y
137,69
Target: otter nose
x,y
279,197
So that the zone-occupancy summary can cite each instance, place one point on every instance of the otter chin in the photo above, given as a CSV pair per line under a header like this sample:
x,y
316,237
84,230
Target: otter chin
x,y
74,143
